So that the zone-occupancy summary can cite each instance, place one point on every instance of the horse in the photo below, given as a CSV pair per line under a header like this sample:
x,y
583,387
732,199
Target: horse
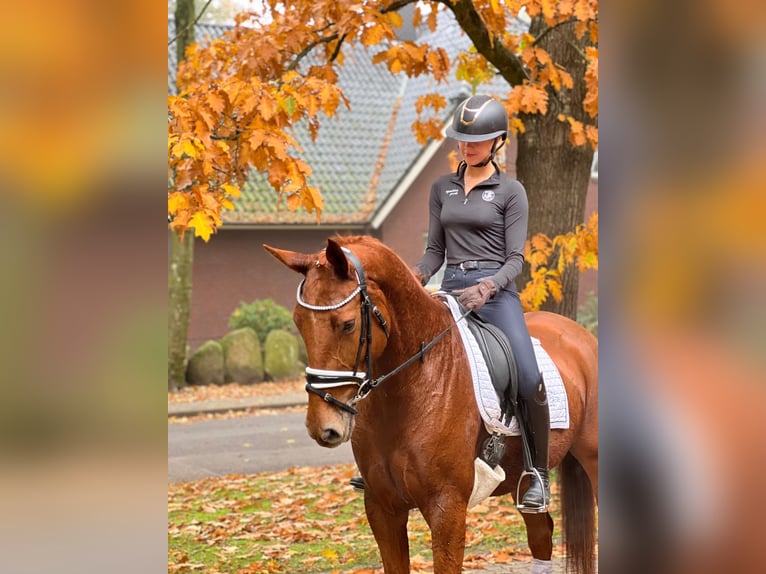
x,y
362,313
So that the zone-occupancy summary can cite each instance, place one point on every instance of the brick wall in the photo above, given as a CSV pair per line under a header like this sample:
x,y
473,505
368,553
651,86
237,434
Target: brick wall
x,y
233,267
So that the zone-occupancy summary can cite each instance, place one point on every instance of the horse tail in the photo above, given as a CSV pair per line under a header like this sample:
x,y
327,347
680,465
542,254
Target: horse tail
x,y
578,516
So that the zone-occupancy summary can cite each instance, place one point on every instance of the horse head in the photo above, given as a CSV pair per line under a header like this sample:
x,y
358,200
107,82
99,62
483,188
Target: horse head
x,y
342,317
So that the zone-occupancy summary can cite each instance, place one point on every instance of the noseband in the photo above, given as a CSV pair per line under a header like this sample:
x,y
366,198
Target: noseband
x,y
319,380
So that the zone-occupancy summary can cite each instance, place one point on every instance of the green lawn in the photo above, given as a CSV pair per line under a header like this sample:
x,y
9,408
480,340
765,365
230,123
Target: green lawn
x,y
308,520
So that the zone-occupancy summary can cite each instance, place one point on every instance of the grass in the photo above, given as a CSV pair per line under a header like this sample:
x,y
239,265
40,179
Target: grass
x,y
308,520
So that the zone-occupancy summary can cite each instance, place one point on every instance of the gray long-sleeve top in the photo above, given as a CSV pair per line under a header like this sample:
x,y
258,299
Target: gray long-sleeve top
x,y
490,224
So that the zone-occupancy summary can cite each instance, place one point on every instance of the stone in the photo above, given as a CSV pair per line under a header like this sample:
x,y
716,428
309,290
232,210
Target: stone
x,y
206,365
242,359
281,356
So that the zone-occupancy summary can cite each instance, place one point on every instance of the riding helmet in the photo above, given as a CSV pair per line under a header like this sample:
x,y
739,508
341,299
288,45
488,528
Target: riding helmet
x,y
479,118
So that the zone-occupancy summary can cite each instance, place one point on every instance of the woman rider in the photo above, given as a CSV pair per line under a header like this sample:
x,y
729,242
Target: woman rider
x,y
478,219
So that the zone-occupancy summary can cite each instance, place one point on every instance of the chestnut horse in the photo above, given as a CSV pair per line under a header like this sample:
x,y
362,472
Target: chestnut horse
x,y
364,316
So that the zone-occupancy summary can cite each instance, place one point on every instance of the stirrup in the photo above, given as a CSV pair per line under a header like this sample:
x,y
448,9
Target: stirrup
x,y
357,483
531,509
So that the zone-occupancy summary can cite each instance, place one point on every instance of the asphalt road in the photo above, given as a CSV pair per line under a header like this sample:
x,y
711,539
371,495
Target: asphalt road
x,y
247,445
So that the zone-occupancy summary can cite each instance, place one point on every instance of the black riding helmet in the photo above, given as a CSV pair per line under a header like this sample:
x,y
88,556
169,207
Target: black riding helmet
x,y
477,119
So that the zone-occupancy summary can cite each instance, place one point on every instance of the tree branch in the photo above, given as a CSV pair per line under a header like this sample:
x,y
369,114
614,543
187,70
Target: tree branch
x,y
572,44
305,52
184,29
489,46
337,48
397,5
577,49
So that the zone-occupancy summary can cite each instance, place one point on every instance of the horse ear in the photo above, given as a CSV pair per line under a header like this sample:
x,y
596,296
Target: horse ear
x,y
337,259
296,261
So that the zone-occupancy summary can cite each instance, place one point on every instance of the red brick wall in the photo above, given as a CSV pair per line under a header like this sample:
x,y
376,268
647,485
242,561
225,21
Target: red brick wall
x,y
233,267
406,227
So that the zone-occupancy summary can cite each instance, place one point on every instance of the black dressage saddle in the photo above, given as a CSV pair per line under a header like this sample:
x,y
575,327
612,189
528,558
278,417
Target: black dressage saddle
x,y
501,364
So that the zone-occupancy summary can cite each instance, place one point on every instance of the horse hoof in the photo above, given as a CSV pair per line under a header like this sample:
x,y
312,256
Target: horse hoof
x,y
357,483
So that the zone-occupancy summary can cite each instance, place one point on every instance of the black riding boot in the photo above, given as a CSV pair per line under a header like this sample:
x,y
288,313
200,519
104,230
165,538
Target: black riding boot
x,y
537,424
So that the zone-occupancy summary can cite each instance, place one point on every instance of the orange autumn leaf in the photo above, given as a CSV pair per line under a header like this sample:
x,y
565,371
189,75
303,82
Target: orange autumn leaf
x,y
241,96
578,248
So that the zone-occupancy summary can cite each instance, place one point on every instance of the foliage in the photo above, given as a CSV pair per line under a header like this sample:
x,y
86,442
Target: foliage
x,y
263,316
239,96
308,520
587,314
549,257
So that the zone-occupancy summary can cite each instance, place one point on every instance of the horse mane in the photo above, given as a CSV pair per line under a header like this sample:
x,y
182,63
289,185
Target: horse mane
x,y
346,240
367,241
390,272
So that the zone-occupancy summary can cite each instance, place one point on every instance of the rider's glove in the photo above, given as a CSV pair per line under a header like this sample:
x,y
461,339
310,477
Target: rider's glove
x,y
475,296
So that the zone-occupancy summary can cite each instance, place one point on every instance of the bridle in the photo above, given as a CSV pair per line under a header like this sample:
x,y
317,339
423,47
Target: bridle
x,y
319,380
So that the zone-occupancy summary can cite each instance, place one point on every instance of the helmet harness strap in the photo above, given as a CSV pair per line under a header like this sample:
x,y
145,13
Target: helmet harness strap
x,y
492,153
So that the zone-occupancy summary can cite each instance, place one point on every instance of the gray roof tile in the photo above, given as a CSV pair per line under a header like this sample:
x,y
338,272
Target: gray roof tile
x,y
363,152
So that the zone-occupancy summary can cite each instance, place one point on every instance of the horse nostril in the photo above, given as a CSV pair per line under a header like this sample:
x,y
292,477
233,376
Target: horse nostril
x,y
330,435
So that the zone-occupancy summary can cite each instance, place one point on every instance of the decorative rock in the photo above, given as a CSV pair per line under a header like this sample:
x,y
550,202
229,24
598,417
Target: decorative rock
x,y
206,365
242,360
281,359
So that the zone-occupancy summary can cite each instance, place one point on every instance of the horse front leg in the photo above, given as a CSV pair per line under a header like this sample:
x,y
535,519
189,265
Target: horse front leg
x,y
446,516
389,526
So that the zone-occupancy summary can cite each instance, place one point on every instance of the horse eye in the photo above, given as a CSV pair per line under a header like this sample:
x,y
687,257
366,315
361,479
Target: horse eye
x,y
349,326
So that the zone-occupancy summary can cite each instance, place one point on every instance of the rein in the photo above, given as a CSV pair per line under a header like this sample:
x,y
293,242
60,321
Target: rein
x,y
319,380
368,384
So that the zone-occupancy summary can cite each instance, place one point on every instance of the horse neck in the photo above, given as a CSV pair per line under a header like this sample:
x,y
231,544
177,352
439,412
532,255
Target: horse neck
x,y
416,319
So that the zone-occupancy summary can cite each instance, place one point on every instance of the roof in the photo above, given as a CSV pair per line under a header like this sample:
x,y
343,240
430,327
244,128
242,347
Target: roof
x,y
362,153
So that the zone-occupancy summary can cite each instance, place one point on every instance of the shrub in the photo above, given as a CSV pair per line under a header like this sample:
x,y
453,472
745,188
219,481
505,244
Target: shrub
x,y
263,316
587,314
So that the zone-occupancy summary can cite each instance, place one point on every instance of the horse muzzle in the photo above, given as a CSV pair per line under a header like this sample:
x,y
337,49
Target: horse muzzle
x,y
330,427
330,430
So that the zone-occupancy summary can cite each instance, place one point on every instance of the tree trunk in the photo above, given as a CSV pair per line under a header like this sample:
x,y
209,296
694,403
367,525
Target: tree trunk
x,y
179,305
554,173
181,250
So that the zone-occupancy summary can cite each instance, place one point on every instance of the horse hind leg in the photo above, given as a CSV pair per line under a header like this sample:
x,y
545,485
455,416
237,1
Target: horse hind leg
x,y
390,530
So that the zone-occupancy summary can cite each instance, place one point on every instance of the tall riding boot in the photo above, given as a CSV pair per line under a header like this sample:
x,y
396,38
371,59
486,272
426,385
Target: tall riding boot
x,y
537,423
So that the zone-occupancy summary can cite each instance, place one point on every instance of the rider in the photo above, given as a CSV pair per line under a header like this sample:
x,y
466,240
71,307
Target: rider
x,y
478,218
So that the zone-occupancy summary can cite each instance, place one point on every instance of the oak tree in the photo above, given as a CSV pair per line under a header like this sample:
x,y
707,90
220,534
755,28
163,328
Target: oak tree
x,y
240,95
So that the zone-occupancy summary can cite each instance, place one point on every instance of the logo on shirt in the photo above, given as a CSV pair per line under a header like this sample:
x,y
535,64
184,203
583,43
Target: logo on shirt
x,y
451,192
488,195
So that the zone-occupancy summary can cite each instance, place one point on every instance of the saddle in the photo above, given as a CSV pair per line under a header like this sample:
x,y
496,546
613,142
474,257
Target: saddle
x,y
501,364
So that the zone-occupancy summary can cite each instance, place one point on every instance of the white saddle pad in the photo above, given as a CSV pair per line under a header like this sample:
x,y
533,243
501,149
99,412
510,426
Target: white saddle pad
x,y
486,397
